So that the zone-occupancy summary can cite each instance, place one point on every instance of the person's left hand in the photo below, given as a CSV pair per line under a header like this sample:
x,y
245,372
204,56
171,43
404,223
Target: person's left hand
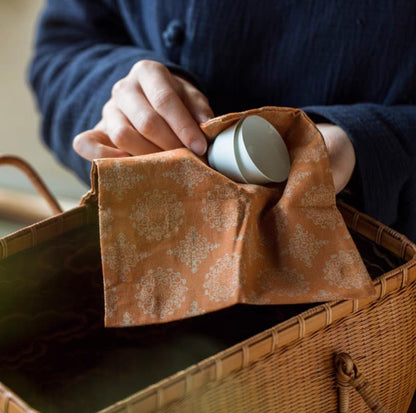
x,y
341,154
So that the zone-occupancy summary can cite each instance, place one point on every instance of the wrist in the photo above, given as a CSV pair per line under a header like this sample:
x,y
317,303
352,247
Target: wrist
x,y
341,154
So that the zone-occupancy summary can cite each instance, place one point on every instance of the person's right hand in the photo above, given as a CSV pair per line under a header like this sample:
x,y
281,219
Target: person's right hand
x,y
150,110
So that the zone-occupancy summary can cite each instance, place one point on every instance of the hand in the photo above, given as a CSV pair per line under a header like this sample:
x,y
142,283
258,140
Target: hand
x,y
341,154
150,110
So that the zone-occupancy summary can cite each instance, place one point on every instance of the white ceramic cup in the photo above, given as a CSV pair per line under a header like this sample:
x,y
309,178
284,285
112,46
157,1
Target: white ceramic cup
x,y
262,154
250,151
222,154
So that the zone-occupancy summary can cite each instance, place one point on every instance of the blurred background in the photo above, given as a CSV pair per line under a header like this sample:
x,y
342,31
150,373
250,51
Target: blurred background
x,y
20,121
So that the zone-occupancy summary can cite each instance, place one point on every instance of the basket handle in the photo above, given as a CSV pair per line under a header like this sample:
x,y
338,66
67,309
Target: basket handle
x,y
349,376
9,402
34,178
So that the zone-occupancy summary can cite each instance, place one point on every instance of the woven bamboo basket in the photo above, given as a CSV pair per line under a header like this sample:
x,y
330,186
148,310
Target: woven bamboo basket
x,y
314,361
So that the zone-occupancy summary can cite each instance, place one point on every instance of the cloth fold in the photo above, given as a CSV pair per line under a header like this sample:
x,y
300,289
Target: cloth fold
x,y
179,239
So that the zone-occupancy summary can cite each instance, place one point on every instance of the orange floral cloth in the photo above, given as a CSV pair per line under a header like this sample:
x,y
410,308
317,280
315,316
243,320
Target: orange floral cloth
x,y
179,239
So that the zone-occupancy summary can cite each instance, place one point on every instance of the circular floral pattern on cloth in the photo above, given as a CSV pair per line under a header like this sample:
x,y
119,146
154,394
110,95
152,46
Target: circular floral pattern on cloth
x,y
119,180
313,153
329,218
185,174
295,179
111,299
106,221
193,250
161,292
222,280
157,214
123,256
220,214
194,310
304,246
320,196
179,239
338,272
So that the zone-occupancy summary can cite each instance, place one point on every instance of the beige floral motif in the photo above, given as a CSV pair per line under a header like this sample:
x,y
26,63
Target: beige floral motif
x,y
119,179
194,310
111,299
326,218
161,292
285,282
324,296
304,246
122,256
319,196
222,281
193,249
346,262
313,154
184,173
156,158
106,220
127,320
158,214
295,178
223,207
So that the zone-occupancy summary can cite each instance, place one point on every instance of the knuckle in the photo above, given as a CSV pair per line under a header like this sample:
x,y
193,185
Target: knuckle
x,y
146,123
162,98
120,135
147,65
119,87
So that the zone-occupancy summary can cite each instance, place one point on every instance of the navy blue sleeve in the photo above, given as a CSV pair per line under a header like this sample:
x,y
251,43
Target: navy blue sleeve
x,y
82,49
384,138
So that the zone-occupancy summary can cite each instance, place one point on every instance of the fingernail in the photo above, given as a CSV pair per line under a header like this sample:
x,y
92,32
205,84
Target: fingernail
x,y
202,118
199,147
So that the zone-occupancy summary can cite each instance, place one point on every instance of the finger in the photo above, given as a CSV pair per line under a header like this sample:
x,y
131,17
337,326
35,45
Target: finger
x,y
198,106
123,134
95,144
158,89
195,101
131,101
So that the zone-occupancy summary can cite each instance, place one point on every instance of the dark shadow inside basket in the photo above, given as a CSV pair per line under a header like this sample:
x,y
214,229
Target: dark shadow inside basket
x,y
56,354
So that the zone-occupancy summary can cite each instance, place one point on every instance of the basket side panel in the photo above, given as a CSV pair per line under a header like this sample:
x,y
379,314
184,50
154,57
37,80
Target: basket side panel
x,y
301,376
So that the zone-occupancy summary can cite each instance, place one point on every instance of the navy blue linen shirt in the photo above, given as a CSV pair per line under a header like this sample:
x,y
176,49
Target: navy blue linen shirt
x,y
352,63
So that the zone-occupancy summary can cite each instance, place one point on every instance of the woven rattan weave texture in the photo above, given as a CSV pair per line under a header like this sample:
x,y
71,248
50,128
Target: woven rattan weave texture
x,y
298,377
286,368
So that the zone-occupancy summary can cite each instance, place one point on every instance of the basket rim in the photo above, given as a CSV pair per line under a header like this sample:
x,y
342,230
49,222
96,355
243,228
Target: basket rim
x,y
265,343
45,230
250,350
